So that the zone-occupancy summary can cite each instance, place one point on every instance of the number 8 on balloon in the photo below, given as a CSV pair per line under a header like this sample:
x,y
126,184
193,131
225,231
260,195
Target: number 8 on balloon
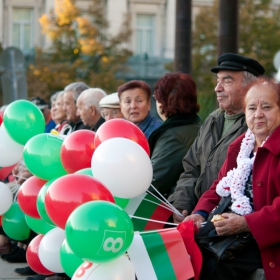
x,y
99,231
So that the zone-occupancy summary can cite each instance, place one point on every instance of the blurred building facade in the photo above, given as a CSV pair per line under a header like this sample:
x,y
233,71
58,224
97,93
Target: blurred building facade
x,y
152,23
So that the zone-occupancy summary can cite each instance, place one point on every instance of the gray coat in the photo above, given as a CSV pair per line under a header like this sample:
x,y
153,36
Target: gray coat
x,y
204,159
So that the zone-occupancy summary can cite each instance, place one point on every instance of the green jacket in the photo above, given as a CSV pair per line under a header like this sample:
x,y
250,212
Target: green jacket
x,y
204,159
168,145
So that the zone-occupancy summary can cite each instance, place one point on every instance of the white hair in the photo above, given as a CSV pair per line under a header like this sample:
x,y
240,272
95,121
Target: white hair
x,y
248,77
60,94
92,96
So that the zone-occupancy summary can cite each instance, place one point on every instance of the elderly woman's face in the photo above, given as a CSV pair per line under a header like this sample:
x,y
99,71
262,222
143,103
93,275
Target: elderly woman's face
x,y
262,110
135,105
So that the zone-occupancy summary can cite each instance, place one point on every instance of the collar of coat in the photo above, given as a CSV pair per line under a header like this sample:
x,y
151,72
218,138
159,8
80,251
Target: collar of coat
x,y
173,121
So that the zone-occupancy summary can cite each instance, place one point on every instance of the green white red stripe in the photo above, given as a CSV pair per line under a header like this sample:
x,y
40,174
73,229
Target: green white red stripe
x,y
149,207
160,255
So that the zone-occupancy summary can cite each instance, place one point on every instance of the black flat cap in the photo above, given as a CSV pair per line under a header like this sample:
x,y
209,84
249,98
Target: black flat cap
x,y
236,62
39,102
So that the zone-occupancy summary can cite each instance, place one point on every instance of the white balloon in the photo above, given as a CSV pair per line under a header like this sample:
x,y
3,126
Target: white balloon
x,y
119,269
49,249
10,150
123,167
6,198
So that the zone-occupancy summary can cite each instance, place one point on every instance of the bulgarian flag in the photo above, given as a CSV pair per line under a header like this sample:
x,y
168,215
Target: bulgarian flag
x,y
160,255
148,207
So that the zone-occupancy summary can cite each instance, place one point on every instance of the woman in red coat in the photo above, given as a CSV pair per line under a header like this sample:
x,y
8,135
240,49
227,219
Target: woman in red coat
x,y
250,175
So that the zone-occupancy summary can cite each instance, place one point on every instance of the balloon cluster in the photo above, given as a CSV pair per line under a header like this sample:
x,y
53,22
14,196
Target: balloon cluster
x,y
76,197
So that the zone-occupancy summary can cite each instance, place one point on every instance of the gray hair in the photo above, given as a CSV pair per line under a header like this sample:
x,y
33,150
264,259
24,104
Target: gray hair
x,y
248,77
92,96
54,97
60,94
77,88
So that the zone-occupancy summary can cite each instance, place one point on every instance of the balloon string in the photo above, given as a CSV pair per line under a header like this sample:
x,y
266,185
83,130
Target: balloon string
x,y
165,201
159,204
151,220
167,204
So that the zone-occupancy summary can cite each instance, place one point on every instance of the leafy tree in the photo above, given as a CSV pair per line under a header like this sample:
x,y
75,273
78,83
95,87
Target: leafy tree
x,y
259,38
81,49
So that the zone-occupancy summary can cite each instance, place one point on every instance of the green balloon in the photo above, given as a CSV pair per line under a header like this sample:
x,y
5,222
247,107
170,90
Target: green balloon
x,y
23,120
68,260
38,225
41,203
14,224
41,155
99,231
122,202
86,171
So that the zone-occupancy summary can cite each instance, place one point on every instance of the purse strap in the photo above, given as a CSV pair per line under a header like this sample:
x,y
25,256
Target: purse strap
x,y
224,203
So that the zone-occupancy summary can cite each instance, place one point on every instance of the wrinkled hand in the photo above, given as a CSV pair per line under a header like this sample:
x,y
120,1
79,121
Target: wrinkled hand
x,y
233,224
24,174
179,218
196,218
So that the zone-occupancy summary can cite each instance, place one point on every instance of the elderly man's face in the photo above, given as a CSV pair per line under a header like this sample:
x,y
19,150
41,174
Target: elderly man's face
x,y
135,105
262,110
86,113
228,88
69,106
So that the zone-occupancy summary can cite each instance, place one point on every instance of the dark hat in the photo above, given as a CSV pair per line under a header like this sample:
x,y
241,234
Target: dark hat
x,y
39,102
236,62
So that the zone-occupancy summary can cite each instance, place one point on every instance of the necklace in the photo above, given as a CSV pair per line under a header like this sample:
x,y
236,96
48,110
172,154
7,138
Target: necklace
x,y
235,181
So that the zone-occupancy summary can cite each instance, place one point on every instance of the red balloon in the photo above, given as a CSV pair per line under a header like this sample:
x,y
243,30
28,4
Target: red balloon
x,y
27,196
6,171
77,149
70,191
32,256
1,117
121,128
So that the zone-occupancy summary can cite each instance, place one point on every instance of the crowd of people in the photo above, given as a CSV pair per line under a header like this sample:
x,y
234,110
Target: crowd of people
x,y
234,153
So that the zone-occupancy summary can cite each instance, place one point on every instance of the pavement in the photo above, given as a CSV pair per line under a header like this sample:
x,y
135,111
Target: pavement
x,y
7,270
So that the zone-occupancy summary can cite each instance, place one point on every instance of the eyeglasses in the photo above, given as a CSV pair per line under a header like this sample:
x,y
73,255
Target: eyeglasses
x,y
112,113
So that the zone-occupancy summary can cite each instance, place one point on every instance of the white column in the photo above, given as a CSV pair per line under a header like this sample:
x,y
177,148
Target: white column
x,y
2,21
170,29
115,14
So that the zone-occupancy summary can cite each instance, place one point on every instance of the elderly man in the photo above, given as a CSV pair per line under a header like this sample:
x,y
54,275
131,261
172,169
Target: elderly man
x,y
88,107
110,107
208,152
45,109
70,96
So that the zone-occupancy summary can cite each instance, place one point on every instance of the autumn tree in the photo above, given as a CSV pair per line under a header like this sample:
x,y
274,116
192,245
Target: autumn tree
x,y
259,38
81,49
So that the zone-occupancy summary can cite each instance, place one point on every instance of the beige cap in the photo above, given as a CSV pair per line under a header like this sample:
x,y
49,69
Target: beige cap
x,y
110,101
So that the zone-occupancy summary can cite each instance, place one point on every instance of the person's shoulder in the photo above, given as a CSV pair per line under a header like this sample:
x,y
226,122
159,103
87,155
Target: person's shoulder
x,y
156,119
215,114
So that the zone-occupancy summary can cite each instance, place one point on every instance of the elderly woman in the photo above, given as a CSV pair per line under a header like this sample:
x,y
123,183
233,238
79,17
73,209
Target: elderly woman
x,y
59,116
176,100
135,105
250,175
